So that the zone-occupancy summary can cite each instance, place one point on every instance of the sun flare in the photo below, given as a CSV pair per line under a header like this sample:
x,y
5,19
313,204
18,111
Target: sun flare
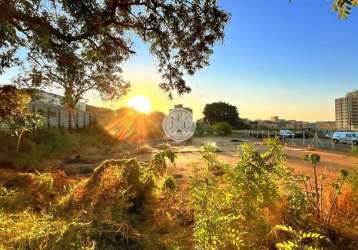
x,y
140,103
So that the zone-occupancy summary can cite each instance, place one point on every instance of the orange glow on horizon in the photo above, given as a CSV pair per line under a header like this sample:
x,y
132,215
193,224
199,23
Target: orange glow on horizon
x,y
131,125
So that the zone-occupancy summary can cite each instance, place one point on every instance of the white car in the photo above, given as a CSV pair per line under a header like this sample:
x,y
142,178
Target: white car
x,y
345,137
286,133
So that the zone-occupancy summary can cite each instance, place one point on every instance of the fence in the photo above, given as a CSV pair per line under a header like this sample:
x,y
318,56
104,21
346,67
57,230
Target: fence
x,y
62,118
59,117
320,139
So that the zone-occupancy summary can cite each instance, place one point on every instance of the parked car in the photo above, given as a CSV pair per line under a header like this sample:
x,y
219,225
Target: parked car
x,y
285,133
345,137
328,135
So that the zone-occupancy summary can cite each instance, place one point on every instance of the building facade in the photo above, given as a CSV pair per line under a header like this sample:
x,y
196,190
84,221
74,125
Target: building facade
x,y
347,111
42,99
50,107
326,125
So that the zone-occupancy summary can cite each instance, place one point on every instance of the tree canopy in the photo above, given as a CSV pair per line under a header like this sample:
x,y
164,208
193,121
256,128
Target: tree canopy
x,y
80,45
94,36
221,112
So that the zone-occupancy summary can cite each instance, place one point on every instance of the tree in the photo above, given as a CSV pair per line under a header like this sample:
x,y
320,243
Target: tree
x,y
75,76
180,34
221,112
14,112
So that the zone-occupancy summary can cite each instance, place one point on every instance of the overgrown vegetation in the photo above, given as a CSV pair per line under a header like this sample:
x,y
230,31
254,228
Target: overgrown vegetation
x,y
259,203
103,211
217,129
45,144
14,113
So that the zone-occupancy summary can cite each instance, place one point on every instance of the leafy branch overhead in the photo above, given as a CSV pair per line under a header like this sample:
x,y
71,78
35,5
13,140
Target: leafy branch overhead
x,y
180,34
344,7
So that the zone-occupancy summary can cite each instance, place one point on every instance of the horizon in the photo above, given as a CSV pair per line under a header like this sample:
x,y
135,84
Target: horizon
x,y
293,69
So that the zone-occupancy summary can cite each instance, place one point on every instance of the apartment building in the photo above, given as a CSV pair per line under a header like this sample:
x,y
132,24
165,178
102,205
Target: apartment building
x,y
347,111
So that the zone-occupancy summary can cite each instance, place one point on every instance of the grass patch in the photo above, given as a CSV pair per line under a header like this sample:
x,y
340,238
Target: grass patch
x,y
53,143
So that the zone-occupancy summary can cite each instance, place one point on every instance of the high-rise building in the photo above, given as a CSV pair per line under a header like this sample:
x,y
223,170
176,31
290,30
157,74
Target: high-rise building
x,y
347,111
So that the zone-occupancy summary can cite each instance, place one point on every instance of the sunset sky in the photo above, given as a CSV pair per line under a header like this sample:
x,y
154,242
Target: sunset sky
x,y
278,58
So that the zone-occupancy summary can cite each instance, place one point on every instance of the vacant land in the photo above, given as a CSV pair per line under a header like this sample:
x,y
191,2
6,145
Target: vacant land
x,y
189,154
82,197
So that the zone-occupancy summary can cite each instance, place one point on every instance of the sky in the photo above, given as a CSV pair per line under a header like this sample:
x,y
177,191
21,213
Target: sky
x,y
278,59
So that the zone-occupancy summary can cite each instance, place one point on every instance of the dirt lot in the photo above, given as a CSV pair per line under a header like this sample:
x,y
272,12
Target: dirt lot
x,y
189,157
330,165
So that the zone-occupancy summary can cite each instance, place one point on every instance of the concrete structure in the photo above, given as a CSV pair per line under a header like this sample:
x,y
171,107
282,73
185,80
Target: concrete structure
x,y
43,99
283,124
55,114
347,111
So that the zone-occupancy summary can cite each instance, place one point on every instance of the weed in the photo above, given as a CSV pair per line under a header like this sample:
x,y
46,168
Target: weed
x,y
209,154
229,211
354,150
315,191
169,183
216,221
298,239
158,164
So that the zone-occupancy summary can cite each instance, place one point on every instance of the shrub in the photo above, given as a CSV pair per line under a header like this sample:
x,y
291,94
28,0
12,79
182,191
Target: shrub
x,y
229,212
14,112
217,222
114,188
27,191
210,156
313,195
203,129
169,183
222,128
158,164
50,143
258,173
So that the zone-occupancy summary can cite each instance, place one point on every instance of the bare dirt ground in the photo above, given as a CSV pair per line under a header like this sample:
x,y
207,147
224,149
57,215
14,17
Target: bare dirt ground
x,y
330,165
189,158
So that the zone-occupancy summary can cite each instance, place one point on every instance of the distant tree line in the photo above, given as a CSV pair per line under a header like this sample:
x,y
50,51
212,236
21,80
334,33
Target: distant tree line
x,y
220,118
223,112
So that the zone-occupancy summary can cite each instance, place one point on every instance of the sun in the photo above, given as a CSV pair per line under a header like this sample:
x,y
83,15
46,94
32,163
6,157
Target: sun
x,y
140,103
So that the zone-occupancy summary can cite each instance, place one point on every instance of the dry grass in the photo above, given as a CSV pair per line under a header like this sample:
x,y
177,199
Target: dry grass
x,y
119,204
